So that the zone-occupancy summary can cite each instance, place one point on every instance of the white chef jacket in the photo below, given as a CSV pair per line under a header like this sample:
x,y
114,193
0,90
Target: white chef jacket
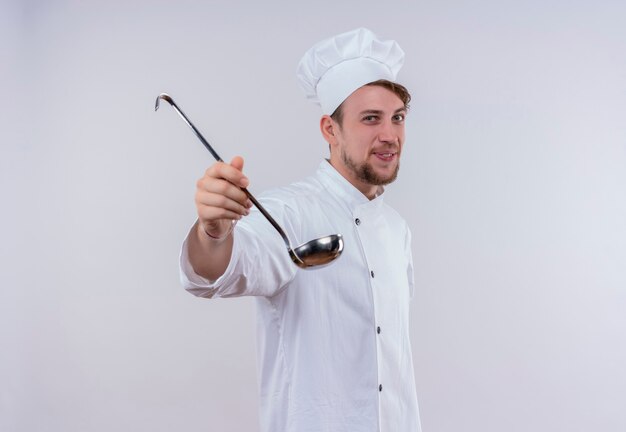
x,y
333,343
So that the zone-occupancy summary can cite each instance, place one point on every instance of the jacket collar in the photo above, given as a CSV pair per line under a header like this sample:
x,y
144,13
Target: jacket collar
x,y
350,195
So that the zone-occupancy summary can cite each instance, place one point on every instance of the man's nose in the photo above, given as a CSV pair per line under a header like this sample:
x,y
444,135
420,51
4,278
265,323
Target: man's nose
x,y
386,133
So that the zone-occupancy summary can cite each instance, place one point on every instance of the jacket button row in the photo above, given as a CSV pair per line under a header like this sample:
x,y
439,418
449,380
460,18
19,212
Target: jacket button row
x,y
378,329
357,221
380,388
372,273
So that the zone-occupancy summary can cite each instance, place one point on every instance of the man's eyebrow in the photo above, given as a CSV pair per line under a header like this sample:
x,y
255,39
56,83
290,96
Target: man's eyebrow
x,y
379,112
371,111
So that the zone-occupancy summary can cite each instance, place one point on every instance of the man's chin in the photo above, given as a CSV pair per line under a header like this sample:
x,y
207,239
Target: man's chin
x,y
369,175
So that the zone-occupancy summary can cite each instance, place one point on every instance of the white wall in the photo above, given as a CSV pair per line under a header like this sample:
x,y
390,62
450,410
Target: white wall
x,y
513,182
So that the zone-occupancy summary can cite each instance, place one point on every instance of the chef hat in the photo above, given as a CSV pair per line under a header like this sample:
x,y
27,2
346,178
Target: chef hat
x,y
334,68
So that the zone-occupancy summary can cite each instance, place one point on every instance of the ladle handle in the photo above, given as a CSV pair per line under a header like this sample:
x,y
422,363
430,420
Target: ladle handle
x,y
269,218
217,157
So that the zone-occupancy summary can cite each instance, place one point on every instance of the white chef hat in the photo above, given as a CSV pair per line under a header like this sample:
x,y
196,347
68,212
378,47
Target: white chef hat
x,y
334,68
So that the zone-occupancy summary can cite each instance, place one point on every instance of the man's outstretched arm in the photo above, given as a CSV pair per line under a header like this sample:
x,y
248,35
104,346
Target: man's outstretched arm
x,y
219,202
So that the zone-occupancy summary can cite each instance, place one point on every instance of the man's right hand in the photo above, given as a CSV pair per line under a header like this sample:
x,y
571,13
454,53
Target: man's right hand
x,y
219,198
219,201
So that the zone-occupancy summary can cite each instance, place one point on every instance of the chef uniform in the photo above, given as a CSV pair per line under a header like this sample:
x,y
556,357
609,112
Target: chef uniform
x,y
334,351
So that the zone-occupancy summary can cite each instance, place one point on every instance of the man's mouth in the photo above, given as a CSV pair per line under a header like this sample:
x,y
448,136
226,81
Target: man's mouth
x,y
385,156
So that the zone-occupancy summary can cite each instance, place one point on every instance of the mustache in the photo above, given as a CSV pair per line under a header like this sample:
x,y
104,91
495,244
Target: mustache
x,y
387,149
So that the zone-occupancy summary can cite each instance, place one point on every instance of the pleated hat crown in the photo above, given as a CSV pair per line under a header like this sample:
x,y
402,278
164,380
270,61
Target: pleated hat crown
x,y
334,68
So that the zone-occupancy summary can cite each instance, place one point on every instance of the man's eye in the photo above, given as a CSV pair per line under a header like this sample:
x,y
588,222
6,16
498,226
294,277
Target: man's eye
x,y
370,118
398,117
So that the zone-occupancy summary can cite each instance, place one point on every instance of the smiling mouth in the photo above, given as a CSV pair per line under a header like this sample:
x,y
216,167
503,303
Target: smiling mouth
x,y
385,156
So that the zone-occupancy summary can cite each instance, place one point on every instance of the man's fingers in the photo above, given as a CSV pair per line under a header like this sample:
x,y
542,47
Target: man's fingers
x,y
214,214
237,162
219,197
229,172
221,187
218,201
213,208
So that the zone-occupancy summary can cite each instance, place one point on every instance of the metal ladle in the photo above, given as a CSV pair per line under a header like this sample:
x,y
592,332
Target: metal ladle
x,y
313,253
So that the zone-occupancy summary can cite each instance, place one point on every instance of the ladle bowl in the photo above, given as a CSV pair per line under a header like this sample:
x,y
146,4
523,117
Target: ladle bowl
x,y
314,253
318,252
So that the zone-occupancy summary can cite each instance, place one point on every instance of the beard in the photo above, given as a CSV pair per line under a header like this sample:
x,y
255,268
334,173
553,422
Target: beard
x,y
365,172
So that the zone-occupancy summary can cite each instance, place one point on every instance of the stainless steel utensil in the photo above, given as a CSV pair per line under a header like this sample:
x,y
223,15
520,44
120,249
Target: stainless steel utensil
x,y
313,253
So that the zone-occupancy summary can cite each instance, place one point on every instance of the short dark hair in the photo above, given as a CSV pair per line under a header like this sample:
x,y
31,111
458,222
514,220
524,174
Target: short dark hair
x,y
397,89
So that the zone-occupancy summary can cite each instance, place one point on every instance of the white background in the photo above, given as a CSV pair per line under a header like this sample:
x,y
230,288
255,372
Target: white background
x,y
513,181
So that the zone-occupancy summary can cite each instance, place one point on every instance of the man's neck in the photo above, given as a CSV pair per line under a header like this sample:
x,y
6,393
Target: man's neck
x,y
369,190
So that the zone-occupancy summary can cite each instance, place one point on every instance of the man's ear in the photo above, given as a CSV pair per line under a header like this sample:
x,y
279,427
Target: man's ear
x,y
328,128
